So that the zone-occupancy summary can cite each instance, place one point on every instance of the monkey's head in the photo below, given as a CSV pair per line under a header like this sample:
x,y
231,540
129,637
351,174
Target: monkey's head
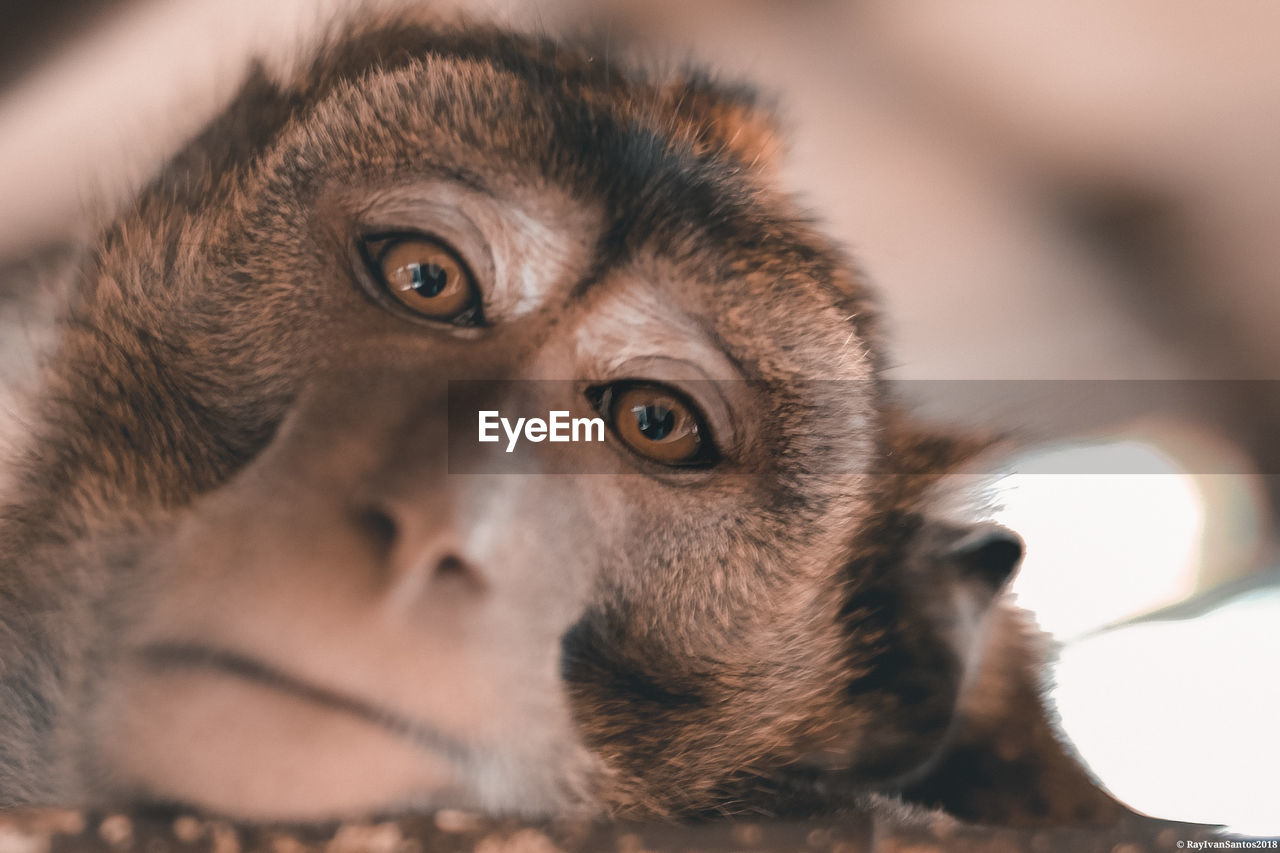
x,y
250,568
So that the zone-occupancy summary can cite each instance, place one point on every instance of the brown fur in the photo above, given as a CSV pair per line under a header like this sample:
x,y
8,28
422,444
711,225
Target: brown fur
x,y
212,583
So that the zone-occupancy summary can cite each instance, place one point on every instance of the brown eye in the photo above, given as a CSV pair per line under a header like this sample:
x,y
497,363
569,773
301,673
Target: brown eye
x,y
427,277
658,424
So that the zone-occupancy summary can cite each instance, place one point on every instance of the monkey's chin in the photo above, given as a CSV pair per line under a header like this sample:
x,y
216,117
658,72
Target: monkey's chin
x,y
243,750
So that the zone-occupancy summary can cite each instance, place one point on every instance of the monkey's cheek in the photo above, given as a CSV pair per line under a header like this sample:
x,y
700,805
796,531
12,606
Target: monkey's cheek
x,y
243,749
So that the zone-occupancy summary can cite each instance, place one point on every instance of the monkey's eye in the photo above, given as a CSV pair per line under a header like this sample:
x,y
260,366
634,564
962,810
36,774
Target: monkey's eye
x,y
657,423
426,276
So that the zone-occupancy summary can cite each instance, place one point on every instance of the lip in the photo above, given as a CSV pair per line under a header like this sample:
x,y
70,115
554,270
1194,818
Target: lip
x,y
183,656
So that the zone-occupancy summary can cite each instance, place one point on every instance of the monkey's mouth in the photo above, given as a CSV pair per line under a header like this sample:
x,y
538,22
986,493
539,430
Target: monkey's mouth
x,y
187,657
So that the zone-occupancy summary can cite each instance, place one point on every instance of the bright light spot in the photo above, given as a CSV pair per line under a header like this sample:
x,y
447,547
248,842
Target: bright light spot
x,y
1112,530
1178,719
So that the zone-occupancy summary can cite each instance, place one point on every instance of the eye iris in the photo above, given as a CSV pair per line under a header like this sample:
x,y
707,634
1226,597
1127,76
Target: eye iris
x,y
655,422
427,277
658,424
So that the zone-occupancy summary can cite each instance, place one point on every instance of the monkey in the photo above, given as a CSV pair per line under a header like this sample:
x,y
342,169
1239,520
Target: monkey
x,y
249,566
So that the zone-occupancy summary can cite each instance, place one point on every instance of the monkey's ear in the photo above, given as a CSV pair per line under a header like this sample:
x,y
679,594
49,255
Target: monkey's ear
x,y
726,119
989,553
1007,763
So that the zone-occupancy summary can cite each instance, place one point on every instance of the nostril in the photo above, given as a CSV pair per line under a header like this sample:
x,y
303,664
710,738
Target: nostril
x,y
415,555
451,570
380,527
450,565
990,553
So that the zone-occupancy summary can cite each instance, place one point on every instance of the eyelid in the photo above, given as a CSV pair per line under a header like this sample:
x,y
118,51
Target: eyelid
x,y
385,241
721,402
447,213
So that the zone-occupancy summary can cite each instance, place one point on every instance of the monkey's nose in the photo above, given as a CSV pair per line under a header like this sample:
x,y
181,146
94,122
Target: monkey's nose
x,y
417,561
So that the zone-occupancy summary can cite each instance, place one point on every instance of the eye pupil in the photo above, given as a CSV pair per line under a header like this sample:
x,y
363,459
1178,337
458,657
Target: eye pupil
x,y
654,422
428,279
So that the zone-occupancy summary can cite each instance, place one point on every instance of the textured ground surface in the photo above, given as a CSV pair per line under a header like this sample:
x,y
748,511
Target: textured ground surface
x,y
32,832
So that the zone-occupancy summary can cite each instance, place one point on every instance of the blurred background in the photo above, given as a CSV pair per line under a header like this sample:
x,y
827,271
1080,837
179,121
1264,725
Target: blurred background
x,y
1071,208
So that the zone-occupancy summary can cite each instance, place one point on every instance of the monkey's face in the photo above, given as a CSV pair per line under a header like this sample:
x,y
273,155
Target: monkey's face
x,y
344,601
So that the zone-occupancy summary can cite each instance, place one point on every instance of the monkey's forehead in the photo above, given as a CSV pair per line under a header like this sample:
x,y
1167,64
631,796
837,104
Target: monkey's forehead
x,y
659,199
674,164
500,90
